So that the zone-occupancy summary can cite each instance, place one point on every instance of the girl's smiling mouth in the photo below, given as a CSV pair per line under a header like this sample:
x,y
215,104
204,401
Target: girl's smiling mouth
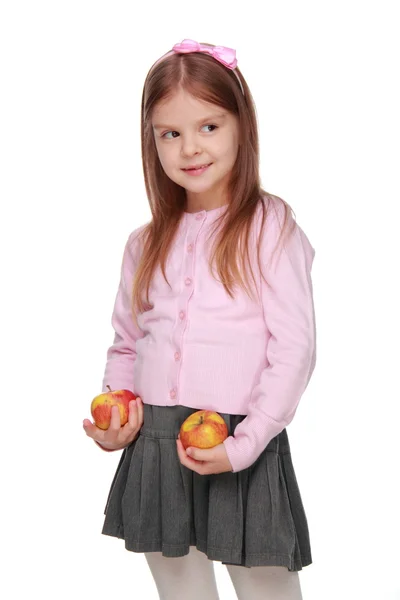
x,y
196,170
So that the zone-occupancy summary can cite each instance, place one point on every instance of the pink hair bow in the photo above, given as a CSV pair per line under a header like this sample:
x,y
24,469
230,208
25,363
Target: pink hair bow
x,y
226,56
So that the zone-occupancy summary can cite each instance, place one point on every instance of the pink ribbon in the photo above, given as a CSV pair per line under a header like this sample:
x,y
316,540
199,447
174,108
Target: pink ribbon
x,y
226,56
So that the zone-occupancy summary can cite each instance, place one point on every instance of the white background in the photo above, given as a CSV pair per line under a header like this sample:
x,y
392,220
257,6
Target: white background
x,y
325,79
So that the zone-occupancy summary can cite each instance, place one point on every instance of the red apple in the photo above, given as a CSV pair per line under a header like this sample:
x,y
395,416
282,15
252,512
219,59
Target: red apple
x,y
203,429
101,406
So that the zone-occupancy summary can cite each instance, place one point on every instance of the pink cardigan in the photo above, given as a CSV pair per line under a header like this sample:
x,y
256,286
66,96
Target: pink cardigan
x,y
200,348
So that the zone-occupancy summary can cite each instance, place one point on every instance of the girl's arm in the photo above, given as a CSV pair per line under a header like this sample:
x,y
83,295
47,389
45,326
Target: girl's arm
x,y
291,352
122,353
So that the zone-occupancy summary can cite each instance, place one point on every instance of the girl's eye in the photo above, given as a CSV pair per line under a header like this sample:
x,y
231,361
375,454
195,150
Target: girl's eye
x,y
164,135
215,127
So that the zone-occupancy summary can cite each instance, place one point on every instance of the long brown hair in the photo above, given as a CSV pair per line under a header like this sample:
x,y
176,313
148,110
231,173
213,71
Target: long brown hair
x,y
208,80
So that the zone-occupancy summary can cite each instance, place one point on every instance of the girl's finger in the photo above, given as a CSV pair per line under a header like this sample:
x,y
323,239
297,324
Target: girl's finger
x,y
93,431
89,427
188,462
132,417
115,423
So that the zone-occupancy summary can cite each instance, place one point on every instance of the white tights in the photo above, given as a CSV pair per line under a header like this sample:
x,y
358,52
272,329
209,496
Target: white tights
x,y
192,577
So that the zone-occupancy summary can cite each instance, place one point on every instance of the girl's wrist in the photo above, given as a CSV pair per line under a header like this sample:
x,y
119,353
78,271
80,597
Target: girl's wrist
x,y
105,447
114,449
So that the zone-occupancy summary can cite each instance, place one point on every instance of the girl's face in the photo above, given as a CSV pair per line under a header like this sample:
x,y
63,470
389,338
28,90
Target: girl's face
x,y
190,132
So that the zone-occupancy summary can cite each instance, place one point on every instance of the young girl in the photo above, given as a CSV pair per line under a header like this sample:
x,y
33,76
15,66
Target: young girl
x,y
214,311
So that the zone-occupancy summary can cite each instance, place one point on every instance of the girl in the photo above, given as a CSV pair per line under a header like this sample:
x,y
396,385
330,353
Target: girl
x,y
188,338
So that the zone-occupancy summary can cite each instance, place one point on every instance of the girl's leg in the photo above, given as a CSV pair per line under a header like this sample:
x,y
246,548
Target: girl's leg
x,y
265,583
190,577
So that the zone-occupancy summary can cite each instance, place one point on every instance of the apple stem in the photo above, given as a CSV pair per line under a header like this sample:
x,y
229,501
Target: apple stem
x,y
109,388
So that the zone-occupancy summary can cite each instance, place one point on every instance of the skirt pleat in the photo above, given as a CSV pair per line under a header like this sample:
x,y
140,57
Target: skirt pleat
x,y
251,518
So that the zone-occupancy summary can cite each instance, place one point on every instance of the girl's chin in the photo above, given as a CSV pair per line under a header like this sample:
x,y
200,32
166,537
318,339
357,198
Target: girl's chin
x,y
197,189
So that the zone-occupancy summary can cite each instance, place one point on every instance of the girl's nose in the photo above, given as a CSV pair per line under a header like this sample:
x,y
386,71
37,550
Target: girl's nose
x,y
189,146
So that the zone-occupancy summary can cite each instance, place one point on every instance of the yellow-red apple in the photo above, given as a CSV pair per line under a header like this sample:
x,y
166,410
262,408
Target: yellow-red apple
x,y
101,406
203,429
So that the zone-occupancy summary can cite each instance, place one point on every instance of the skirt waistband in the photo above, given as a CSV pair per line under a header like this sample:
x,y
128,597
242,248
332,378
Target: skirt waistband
x,y
164,422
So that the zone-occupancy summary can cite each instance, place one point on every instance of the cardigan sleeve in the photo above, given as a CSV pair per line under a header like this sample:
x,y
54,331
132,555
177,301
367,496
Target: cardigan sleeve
x,y
289,314
121,354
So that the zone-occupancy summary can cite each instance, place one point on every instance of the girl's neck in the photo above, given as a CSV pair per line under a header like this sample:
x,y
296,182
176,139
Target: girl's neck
x,y
198,202
202,206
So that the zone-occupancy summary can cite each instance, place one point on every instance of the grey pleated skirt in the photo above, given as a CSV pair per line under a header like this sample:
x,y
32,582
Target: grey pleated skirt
x,y
251,518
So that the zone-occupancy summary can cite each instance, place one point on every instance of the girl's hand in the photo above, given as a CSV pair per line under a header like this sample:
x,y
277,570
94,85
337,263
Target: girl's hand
x,y
117,437
204,462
